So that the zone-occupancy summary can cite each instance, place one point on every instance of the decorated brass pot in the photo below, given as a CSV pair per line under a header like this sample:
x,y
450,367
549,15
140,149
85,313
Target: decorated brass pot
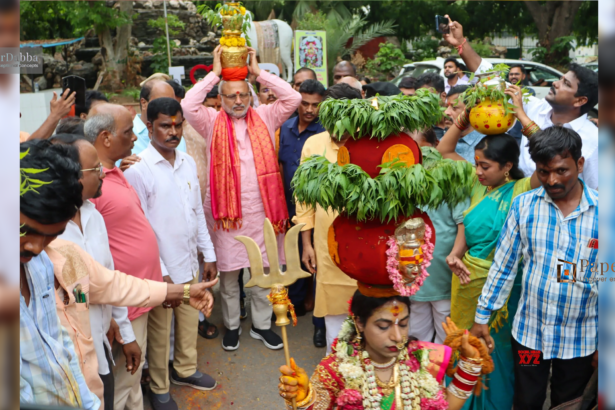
x,y
234,52
490,118
234,57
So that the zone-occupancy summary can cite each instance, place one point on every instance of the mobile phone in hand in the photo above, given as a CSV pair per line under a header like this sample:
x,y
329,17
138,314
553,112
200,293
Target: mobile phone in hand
x,y
442,25
75,84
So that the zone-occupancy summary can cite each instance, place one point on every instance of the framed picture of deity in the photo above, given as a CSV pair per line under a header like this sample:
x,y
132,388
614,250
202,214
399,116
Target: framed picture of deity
x,y
311,52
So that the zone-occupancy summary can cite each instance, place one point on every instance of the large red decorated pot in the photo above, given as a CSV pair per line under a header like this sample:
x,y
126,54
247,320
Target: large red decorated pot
x,y
490,118
369,153
359,250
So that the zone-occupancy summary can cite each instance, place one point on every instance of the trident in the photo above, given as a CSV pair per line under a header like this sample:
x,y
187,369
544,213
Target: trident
x,y
276,280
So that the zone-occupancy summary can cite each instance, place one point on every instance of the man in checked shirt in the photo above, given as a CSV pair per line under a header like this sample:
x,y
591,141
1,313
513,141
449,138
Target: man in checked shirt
x,y
556,224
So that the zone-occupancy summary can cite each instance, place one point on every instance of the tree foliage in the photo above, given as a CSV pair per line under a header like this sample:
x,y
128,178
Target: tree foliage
x,y
388,61
160,60
41,20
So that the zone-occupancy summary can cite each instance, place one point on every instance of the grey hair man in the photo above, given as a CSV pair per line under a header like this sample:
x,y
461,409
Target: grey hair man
x,y
109,128
231,254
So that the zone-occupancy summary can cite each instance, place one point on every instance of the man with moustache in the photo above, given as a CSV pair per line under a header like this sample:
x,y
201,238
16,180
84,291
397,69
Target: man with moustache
x,y
151,89
551,229
293,135
76,280
454,75
567,104
266,95
245,184
87,230
135,251
168,187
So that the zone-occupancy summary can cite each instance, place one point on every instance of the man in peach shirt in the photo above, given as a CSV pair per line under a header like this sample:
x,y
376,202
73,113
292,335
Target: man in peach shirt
x,y
78,275
235,116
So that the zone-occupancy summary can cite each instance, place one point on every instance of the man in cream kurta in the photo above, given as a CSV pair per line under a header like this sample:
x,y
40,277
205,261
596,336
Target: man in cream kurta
x,y
333,287
231,254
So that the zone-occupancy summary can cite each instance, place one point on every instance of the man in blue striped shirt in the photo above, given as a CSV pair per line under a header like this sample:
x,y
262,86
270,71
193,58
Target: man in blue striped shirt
x,y
49,372
553,231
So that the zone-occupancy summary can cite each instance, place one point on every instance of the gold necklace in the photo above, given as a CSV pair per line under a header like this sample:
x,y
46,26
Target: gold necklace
x,y
388,387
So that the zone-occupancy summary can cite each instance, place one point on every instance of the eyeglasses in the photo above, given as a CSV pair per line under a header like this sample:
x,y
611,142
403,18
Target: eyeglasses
x,y
232,97
99,169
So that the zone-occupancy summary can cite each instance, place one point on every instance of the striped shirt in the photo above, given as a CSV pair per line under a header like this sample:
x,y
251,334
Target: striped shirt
x,y
49,370
557,318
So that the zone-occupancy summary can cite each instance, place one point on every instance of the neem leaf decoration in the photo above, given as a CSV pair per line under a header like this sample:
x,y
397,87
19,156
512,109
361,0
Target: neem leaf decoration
x,y
361,118
396,192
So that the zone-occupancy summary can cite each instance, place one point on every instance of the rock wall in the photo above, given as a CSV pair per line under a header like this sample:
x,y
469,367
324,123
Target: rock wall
x,y
195,43
195,29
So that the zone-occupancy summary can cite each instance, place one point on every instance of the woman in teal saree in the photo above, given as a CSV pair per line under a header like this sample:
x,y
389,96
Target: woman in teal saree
x,y
498,181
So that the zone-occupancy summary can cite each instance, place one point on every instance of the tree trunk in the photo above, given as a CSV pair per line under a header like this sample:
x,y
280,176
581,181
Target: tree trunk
x,y
554,19
115,50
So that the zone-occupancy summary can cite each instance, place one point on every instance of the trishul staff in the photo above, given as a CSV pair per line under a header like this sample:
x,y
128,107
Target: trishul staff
x,y
276,280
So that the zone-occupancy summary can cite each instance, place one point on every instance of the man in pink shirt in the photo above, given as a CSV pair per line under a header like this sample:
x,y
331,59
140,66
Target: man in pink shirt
x,y
238,130
135,251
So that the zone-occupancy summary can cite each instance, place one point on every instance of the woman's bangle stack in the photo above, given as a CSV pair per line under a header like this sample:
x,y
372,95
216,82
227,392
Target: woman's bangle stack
x,y
462,122
466,377
530,129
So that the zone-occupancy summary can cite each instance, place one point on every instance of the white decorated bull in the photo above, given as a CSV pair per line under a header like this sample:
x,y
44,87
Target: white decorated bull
x,y
272,40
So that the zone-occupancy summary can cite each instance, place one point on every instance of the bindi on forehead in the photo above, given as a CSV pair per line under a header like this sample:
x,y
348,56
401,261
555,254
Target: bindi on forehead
x,y
395,309
173,119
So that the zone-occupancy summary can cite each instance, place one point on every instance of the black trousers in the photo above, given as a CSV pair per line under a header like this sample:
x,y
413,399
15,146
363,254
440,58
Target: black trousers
x,y
568,380
108,383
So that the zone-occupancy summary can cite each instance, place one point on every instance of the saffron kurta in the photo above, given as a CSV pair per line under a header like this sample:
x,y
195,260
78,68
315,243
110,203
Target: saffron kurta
x,y
231,254
333,287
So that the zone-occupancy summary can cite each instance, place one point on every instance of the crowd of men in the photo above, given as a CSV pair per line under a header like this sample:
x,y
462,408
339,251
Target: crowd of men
x,y
119,252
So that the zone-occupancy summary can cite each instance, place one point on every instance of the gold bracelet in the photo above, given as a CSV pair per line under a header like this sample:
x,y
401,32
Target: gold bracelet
x,y
308,398
186,298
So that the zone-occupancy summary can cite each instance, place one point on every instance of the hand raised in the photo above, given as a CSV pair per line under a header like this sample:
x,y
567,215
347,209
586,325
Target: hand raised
x,y
253,66
455,37
217,61
60,107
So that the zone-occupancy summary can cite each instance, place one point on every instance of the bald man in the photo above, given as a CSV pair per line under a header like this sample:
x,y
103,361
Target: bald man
x,y
353,82
151,90
343,69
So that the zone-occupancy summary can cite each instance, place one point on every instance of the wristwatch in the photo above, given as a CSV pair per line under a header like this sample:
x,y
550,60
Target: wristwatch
x,y
186,298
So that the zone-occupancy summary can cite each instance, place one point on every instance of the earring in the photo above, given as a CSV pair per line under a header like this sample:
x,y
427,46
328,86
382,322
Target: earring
x,y
358,337
506,174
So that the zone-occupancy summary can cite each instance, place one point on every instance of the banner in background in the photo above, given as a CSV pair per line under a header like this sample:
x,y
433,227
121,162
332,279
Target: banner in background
x,y
311,52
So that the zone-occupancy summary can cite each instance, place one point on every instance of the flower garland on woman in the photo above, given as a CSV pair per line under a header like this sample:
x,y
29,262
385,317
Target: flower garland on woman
x,y
373,365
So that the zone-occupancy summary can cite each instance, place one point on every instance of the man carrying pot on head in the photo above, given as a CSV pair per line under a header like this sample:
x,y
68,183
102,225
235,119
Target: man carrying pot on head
x,y
245,185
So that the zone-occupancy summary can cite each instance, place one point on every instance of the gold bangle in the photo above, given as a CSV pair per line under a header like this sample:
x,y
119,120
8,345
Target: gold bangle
x,y
308,398
186,298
